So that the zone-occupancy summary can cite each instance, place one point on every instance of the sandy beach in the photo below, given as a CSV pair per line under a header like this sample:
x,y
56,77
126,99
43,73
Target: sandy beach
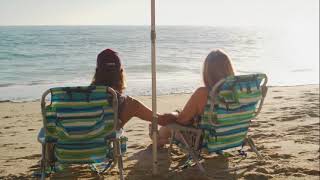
x,y
286,133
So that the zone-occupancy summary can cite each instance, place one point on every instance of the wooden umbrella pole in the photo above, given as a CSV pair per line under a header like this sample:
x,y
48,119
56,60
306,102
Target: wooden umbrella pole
x,y
154,91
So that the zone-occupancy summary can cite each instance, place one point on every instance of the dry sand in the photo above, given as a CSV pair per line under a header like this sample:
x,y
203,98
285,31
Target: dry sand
x,y
286,133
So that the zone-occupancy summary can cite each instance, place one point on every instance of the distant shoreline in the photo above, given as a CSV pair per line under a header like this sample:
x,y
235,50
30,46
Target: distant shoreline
x,y
162,95
147,26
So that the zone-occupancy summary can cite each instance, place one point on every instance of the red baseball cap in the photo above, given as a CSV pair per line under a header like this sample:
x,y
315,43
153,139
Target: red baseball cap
x,y
108,60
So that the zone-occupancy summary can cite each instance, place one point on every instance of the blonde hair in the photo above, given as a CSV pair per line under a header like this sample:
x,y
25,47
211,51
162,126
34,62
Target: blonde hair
x,y
216,66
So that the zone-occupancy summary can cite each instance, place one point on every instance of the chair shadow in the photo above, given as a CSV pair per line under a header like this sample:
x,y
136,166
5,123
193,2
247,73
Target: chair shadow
x,y
71,172
216,167
138,166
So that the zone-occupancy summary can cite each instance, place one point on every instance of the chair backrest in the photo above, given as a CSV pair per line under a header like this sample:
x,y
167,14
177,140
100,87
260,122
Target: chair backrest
x,y
232,104
78,120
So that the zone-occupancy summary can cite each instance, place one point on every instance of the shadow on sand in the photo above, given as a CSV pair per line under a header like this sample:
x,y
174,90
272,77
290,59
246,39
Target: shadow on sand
x,y
71,172
140,168
216,167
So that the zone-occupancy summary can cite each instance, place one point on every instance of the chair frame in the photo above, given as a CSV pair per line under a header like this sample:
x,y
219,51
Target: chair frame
x,y
117,157
196,133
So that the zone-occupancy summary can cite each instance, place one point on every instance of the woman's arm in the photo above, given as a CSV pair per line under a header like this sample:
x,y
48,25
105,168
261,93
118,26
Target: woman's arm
x,y
195,106
134,108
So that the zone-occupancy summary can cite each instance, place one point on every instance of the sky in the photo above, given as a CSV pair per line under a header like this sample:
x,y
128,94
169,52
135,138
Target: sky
x,y
169,12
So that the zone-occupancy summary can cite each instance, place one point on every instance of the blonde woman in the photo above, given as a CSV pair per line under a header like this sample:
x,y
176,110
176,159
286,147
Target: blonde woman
x,y
216,66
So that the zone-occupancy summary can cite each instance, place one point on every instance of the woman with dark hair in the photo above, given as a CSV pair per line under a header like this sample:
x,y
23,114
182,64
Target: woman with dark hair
x,y
110,72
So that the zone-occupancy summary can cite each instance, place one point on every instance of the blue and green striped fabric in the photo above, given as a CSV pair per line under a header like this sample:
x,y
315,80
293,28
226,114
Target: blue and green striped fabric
x,y
232,111
78,119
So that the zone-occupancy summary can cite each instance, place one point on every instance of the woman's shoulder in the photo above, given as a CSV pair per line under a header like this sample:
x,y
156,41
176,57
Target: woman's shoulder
x,y
201,94
202,91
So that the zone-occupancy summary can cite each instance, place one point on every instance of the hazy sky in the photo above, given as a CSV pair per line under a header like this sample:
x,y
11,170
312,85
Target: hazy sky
x,y
169,12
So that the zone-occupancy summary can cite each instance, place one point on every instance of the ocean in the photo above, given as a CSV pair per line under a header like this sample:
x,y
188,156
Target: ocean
x,y
35,58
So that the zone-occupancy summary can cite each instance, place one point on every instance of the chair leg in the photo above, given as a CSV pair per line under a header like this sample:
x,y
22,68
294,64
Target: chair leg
x,y
254,148
170,146
112,162
119,157
193,154
43,162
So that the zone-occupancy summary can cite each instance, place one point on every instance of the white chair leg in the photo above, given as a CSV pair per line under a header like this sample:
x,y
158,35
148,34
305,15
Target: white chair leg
x,y
254,148
119,157
170,146
193,154
43,162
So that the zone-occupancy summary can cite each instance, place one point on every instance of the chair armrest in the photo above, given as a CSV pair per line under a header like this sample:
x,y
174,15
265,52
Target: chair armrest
x,y
264,89
119,133
41,136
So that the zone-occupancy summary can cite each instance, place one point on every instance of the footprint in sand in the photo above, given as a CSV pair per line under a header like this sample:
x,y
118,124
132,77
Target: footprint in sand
x,y
139,130
257,176
311,94
9,144
20,148
311,172
312,114
291,118
34,156
265,126
276,91
136,146
281,156
262,170
293,170
139,134
255,125
288,108
298,174
265,135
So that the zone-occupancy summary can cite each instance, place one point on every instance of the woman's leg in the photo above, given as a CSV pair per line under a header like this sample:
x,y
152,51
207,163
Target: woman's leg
x,y
164,135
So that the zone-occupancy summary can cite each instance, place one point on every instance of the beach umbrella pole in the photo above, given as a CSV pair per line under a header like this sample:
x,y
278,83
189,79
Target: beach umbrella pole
x,y
154,91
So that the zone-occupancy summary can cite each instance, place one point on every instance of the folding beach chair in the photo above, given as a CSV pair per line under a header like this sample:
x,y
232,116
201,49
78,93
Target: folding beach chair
x,y
232,103
80,126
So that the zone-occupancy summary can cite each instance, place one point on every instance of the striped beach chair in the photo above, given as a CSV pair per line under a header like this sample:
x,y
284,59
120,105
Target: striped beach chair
x,y
80,126
232,103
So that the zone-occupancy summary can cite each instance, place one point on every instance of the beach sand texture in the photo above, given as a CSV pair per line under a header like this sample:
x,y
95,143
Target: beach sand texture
x,y
286,133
